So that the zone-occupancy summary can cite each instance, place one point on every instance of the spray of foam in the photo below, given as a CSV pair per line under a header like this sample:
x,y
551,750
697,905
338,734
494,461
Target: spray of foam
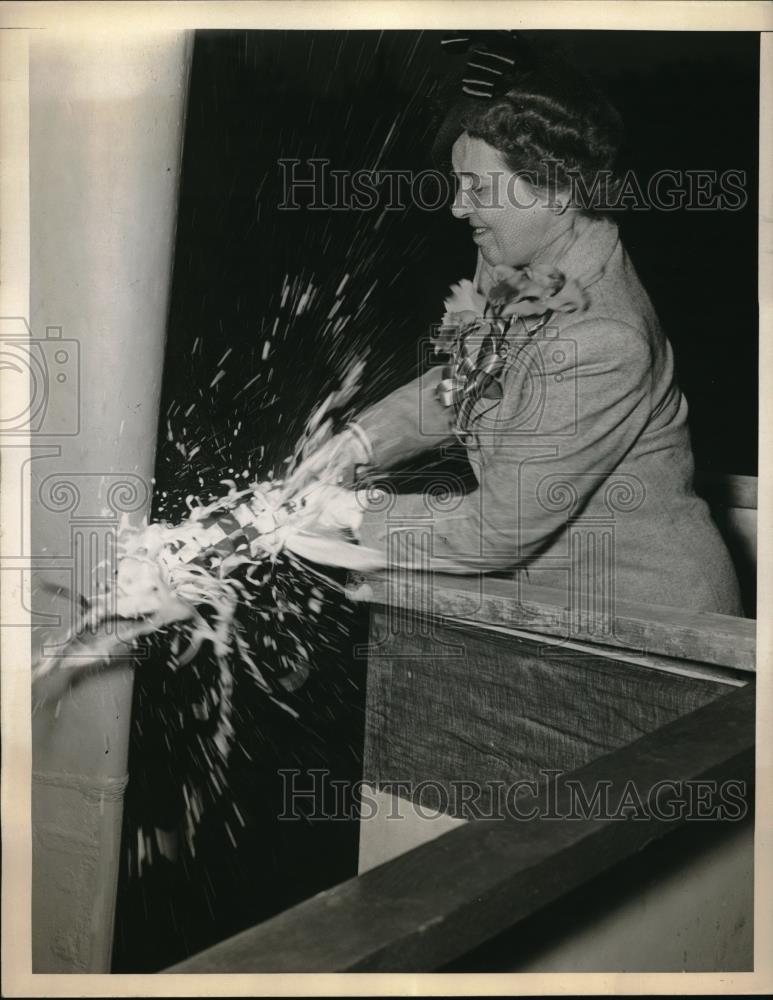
x,y
179,580
184,575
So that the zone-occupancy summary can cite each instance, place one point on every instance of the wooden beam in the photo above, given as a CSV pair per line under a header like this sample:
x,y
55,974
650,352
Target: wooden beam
x,y
700,636
442,899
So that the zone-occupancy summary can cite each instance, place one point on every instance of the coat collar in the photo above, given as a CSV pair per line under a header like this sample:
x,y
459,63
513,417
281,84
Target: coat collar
x,y
580,246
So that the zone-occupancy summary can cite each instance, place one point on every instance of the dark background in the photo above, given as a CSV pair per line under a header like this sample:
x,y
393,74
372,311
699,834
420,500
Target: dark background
x,y
365,100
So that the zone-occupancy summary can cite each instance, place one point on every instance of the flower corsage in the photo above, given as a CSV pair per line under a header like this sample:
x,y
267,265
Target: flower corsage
x,y
476,329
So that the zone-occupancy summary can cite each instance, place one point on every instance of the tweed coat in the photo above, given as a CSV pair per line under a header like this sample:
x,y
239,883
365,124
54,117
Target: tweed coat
x,y
584,469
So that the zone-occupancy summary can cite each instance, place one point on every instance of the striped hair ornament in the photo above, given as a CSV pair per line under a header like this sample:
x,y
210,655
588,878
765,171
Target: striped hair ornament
x,y
492,56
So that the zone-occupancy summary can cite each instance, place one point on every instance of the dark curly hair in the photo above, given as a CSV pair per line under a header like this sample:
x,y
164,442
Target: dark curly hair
x,y
551,124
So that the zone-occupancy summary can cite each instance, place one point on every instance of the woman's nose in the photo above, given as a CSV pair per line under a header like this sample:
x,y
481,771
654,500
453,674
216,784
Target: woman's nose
x,y
461,207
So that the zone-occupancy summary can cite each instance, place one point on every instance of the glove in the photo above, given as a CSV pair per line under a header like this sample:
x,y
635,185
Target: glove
x,y
335,508
333,462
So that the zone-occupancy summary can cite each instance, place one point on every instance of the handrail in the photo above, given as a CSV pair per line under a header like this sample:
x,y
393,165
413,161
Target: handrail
x,y
705,637
444,898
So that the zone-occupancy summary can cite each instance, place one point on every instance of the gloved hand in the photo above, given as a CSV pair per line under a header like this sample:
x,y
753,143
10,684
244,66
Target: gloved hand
x,y
333,508
334,462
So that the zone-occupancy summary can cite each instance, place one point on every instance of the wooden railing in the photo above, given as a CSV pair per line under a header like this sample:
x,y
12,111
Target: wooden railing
x,y
651,629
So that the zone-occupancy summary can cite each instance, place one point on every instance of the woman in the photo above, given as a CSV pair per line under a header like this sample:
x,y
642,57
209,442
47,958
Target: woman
x,y
606,447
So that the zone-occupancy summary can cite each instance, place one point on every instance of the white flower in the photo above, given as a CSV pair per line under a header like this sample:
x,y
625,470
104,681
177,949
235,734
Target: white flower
x,y
463,299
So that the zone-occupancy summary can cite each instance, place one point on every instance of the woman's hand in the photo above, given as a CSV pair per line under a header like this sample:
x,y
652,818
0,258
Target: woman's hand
x,y
332,463
333,508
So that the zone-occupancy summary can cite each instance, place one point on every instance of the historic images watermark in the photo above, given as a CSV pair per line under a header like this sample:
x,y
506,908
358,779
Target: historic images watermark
x,y
71,548
42,381
315,185
315,795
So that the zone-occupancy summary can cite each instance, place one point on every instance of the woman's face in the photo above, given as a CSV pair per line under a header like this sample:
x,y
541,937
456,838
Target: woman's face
x,y
509,219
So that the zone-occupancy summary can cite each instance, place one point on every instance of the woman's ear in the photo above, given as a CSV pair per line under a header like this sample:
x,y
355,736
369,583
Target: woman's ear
x,y
560,201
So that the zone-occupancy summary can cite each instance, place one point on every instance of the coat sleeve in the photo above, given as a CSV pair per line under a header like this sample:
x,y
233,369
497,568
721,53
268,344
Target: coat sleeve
x,y
597,402
407,422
